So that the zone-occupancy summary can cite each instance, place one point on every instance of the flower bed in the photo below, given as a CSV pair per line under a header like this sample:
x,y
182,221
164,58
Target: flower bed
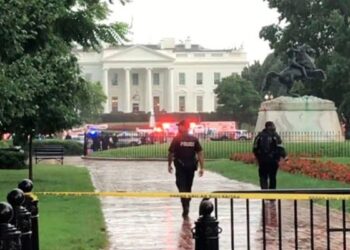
x,y
311,167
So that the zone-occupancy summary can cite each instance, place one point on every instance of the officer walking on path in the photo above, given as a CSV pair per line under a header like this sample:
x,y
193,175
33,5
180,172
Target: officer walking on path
x,y
186,151
268,151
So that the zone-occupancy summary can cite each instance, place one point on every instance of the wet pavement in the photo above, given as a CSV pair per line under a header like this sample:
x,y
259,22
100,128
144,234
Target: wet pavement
x,y
156,223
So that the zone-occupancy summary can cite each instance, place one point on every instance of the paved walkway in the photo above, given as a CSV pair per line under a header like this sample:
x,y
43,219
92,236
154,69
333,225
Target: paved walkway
x,y
156,224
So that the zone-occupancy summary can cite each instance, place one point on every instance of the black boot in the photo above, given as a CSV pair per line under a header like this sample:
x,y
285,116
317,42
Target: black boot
x,y
185,208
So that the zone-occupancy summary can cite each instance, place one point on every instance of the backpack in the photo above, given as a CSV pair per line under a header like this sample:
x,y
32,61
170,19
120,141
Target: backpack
x,y
265,145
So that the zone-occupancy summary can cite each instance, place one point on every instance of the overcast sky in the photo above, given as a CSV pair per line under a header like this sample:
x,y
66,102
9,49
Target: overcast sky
x,y
214,24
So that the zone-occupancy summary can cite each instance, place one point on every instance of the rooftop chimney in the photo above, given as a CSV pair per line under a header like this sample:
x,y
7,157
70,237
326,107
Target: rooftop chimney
x,y
188,44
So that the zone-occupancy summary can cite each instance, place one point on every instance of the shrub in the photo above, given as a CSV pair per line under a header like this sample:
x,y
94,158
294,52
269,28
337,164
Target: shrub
x,y
71,147
12,159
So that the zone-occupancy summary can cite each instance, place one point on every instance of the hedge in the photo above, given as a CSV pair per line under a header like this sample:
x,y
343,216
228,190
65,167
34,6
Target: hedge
x,y
12,159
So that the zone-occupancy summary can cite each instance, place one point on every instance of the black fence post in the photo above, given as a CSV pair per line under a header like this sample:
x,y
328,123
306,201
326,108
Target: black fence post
x,y
31,204
21,218
206,231
10,237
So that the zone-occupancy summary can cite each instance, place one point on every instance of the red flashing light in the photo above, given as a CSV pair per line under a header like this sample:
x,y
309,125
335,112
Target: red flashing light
x,y
157,129
166,125
192,125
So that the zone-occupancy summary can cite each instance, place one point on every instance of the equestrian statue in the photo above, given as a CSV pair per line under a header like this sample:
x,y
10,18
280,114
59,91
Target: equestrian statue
x,y
301,68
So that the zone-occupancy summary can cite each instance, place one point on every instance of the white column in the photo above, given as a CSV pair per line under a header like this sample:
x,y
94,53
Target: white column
x,y
171,92
105,91
149,95
127,107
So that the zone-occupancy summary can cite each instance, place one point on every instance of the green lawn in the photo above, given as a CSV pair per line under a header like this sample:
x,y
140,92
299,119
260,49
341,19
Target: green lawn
x,y
65,222
343,160
249,173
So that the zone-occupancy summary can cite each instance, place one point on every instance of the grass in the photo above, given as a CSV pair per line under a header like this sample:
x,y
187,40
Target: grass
x,y
223,149
64,222
249,173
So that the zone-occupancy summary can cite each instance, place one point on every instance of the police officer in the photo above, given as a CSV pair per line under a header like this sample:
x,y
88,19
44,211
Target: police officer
x,y
268,150
186,151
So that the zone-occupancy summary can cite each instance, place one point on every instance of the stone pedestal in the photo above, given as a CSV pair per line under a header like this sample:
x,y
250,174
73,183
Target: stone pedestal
x,y
306,118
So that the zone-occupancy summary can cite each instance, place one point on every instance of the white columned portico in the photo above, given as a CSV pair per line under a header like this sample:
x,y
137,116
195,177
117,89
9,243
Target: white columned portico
x,y
106,90
171,93
149,97
127,107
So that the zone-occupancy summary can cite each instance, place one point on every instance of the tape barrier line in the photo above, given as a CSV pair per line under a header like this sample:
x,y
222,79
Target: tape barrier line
x,y
257,196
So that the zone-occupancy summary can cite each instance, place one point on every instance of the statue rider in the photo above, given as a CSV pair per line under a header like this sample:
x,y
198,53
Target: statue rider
x,y
300,58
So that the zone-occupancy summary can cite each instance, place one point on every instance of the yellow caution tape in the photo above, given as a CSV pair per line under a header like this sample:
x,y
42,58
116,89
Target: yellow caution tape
x,y
252,195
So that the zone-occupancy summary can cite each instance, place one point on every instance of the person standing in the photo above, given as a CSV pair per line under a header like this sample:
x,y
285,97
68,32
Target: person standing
x,y
268,151
185,151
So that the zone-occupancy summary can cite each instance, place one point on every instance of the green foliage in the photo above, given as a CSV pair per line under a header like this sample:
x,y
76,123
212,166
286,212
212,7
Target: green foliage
x,y
12,159
40,85
71,147
65,222
238,97
324,25
5,144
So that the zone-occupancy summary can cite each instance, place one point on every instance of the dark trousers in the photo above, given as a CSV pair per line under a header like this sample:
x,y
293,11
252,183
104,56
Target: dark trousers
x,y
267,173
184,181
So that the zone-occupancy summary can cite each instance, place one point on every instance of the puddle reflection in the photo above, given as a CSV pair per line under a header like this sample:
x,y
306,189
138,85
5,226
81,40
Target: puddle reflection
x,y
185,236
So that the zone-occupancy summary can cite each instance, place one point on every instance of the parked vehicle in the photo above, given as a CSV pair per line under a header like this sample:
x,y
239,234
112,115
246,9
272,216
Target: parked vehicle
x,y
128,138
240,134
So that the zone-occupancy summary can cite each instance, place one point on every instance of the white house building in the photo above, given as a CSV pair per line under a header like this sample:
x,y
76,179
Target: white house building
x,y
171,77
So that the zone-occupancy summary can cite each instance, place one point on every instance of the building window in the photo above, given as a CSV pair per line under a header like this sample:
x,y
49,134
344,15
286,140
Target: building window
x,y
182,104
182,79
135,107
217,54
156,104
115,80
199,78
135,79
156,79
217,77
216,103
199,102
114,104
199,55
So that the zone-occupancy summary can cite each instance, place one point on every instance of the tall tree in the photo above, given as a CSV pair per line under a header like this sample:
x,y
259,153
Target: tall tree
x,y
238,97
41,90
324,25
40,84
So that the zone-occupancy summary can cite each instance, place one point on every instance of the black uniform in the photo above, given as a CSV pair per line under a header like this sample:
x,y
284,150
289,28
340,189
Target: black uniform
x,y
268,151
184,147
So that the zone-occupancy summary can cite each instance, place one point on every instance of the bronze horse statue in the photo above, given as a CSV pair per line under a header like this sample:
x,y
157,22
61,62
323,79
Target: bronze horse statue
x,y
301,67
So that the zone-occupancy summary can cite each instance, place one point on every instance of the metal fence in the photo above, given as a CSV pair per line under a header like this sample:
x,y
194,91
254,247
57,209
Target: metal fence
x,y
314,219
19,219
329,144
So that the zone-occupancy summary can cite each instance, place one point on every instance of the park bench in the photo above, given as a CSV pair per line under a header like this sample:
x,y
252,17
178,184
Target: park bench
x,y
49,152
